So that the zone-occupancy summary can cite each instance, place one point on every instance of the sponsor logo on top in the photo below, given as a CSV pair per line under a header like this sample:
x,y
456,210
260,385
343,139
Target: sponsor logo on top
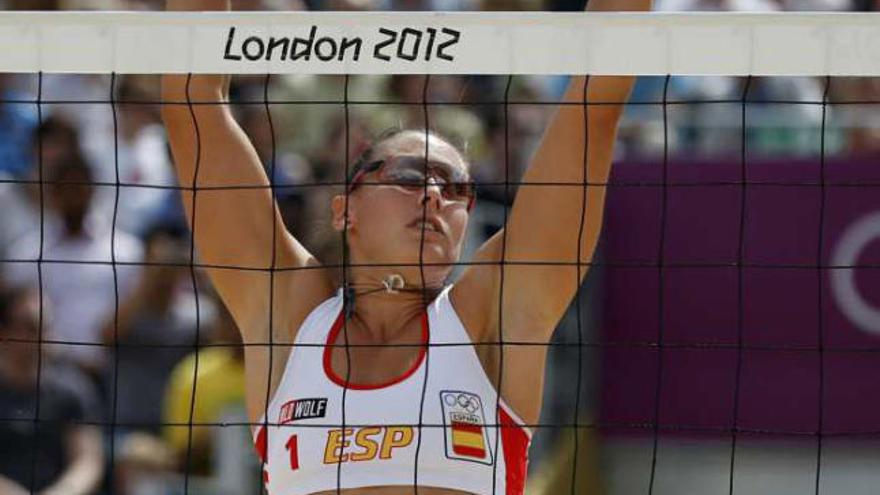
x,y
297,409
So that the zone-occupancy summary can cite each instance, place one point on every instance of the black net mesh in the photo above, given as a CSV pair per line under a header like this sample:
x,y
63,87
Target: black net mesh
x,y
724,340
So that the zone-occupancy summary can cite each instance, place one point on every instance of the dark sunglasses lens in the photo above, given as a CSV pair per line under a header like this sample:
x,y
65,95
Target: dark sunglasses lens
x,y
460,191
409,178
410,172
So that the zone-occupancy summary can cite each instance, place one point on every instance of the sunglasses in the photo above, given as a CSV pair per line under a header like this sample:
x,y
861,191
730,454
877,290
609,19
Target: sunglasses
x,y
408,173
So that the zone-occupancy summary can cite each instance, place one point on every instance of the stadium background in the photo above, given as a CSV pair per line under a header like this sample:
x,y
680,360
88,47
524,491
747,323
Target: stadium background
x,y
676,271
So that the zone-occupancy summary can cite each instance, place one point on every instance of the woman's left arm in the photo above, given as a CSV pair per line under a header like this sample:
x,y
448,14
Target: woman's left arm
x,y
551,224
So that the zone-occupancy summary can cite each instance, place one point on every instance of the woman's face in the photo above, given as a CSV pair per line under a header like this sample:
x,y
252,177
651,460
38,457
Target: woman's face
x,y
385,222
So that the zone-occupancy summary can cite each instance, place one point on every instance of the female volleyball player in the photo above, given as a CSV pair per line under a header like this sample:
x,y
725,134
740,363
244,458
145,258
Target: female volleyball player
x,y
394,381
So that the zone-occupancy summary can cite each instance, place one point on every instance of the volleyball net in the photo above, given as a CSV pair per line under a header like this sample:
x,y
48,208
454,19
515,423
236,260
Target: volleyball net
x,y
727,337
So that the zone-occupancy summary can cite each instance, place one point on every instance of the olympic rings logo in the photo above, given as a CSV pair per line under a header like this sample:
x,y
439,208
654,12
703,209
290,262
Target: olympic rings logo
x,y
468,402
843,278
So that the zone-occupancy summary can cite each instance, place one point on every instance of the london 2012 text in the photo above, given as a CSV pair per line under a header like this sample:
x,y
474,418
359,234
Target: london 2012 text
x,y
407,44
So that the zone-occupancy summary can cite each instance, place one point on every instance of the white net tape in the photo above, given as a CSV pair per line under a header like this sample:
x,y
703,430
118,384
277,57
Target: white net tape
x,y
442,43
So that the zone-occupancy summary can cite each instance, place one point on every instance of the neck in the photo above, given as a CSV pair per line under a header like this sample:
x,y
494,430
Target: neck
x,y
160,301
384,301
74,226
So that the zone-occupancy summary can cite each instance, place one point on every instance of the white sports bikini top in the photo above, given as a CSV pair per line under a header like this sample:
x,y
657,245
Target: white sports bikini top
x,y
440,424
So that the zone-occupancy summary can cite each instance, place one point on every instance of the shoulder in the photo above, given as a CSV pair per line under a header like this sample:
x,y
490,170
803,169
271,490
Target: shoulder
x,y
297,294
475,295
323,310
27,245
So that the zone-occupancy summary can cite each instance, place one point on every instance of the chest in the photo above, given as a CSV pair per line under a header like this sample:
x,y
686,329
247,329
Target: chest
x,y
431,411
356,359
440,411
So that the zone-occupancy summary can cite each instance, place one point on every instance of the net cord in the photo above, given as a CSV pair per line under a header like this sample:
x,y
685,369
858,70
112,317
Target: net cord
x,y
272,269
820,279
740,293
661,272
114,108
502,265
635,426
585,343
425,290
383,102
578,279
41,316
624,264
615,184
193,279
348,299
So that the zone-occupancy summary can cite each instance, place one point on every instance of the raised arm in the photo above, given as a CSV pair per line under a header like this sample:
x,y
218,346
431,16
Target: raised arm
x,y
551,224
233,227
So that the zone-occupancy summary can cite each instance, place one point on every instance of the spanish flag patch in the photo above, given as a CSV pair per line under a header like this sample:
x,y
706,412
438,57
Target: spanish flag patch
x,y
467,440
464,422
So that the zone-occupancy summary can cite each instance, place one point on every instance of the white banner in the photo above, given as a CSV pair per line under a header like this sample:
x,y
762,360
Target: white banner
x,y
442,43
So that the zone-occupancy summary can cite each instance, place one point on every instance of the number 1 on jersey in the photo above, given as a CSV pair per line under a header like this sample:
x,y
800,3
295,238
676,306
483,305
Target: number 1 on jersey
x,y
294,452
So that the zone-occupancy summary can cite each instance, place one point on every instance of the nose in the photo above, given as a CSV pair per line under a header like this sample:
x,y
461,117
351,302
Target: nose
x,y
433,195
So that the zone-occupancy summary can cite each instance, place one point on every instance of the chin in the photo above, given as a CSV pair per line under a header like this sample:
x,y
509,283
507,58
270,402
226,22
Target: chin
x,y
437,263
435,276
433,252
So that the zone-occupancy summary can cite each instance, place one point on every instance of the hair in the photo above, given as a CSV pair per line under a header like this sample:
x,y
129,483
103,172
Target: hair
x,y
9,297
369,152
57,126
71,164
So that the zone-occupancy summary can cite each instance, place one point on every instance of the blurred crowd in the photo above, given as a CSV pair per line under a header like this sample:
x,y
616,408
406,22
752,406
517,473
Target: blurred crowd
x,y
96,258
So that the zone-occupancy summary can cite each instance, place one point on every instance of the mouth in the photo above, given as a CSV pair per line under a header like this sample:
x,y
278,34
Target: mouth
x,y
428,225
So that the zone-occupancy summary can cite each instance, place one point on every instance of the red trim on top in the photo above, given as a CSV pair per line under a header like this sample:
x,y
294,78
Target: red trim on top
x,y
515,444
260,443
328,366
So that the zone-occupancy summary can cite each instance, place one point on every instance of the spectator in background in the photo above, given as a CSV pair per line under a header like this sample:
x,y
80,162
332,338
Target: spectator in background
x,y
17,121
866,5
223,452
288,169
31,4
49,144
141,156
60,454
155,328
862,122
76,274
159,310
123,138
19,213
706,129
454,120
54,141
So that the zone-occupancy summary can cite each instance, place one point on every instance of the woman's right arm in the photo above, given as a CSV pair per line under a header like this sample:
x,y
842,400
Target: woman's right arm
x,y
234,228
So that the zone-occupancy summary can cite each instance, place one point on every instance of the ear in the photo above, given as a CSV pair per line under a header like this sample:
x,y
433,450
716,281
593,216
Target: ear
x,y
338,205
